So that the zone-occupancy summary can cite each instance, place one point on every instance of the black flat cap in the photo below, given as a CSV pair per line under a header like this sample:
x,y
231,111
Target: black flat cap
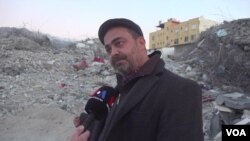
x,y
115,23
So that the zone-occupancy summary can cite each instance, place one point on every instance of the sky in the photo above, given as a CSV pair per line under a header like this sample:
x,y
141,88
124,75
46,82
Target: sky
x,y
80,19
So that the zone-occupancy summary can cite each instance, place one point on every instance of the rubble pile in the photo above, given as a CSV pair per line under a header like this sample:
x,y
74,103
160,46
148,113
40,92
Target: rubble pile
x,y
33,70
222,55
23,39
220,62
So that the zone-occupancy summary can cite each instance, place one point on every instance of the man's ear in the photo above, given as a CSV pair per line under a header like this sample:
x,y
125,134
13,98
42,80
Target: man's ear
x,y
141,42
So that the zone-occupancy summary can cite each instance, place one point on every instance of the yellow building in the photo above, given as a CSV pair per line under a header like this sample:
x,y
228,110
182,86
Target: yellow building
x,y
173,32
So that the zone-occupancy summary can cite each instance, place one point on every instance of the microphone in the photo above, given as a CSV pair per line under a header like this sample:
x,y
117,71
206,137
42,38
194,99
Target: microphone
x,y
98,105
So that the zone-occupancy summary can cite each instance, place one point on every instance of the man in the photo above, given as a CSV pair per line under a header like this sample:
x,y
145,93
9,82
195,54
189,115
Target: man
x,y
153,104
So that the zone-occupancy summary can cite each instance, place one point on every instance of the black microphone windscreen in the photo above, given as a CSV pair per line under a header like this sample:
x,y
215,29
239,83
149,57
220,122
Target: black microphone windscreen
x,y
101,101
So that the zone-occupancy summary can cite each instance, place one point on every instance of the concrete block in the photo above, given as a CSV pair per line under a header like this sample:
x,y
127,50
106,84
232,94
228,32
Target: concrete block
x,y
234,100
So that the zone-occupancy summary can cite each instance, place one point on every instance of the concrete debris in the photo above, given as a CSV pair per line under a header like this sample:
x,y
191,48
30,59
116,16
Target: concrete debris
x,y
234,100
15,35
82,64
32,70
245,121
246,114
98,59
222,53
214,127
222,108
221,33
230,109
207,98
220,62
200,43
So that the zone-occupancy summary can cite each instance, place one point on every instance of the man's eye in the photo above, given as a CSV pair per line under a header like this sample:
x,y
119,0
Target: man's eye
x,y
119,43
108,49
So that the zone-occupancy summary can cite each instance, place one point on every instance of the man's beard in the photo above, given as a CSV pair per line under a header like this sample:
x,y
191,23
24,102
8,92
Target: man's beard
x,y
121,68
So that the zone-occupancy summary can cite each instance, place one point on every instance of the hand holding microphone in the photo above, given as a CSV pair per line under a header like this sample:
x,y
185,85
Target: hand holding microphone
x,y
78,135
98,106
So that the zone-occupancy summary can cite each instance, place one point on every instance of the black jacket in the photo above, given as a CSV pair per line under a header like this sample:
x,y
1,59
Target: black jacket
x,y
155,105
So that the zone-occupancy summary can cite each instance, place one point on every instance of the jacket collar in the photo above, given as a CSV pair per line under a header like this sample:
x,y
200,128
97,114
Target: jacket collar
x,y
148,68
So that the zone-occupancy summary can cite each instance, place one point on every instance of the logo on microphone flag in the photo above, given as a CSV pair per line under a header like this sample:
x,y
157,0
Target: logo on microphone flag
x,y
102,94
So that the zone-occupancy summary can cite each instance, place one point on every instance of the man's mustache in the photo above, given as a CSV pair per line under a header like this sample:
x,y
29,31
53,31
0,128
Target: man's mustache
x,y
117,58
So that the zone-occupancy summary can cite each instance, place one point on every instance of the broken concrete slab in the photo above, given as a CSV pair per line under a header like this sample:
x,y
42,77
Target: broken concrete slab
x,y
245,121
234,100
222,108
214,125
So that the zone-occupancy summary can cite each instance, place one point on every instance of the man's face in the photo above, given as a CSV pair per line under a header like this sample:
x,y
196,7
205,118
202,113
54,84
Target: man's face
x,y
123,50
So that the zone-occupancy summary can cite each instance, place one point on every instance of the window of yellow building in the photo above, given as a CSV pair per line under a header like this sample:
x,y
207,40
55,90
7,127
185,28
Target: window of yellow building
x,y
192,37
176,41
153,38
194,26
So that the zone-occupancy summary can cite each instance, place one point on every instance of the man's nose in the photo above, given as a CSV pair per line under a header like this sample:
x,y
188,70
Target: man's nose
x,y
114,52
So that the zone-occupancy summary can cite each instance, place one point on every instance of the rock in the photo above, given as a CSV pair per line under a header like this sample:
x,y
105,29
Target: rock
x,y
214,125
200,43
221,33
245,121
188,69
246,48
105,73
205,78
246,114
